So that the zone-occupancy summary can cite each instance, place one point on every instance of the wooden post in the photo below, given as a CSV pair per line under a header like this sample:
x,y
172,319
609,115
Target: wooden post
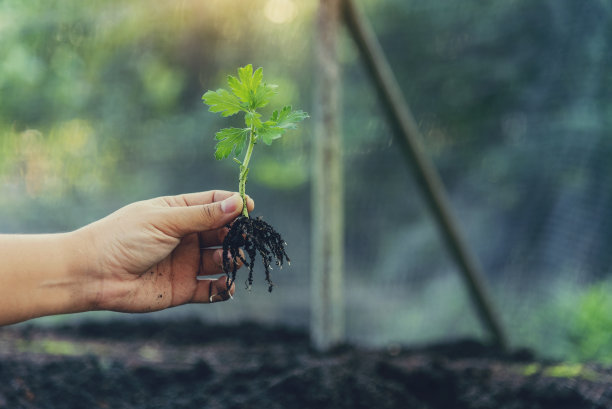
x,y
327,312
409,139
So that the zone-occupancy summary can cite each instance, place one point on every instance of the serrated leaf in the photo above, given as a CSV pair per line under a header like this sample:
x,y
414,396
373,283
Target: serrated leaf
x,y
262,95
246,76
230,139
269,132
250,89
248,93
257,78
288,119
238,88
222,101
252,119
278,124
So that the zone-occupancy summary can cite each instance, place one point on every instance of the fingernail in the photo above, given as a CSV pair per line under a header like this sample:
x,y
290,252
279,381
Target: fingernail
x,y
230,204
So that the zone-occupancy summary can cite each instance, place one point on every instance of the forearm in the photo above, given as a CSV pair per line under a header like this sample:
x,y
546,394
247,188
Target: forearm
x,y
42,275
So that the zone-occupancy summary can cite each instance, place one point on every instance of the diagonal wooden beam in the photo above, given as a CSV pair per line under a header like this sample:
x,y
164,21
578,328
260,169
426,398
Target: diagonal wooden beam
x,y
409,138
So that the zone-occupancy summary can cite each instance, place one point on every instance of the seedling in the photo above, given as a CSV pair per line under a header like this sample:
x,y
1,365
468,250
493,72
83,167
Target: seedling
x,y
248,94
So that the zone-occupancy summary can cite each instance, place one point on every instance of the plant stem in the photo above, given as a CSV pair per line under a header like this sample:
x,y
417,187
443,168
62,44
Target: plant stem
x,y
244,170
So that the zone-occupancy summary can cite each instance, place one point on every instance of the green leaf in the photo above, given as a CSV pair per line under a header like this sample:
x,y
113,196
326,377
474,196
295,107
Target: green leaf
x,y
238,88
246,76
230,139
269,132
248,93
252,119
250,89
288,119
278,124
257,78
222,101
262,95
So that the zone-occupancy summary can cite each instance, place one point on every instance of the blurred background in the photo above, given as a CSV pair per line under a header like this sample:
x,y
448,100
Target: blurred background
x,y
100,106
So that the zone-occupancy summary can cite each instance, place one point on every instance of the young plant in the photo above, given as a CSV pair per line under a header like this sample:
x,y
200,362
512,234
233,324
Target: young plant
x,y
249,93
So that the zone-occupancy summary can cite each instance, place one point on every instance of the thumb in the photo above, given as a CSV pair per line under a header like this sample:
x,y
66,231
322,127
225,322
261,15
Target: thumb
x,y
193,219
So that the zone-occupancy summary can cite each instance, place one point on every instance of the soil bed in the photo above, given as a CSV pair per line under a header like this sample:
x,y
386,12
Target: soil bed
x,y
188,364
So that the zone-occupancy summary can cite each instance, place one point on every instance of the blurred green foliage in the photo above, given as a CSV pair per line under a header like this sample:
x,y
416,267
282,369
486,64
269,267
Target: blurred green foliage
x,y
111,76
590,329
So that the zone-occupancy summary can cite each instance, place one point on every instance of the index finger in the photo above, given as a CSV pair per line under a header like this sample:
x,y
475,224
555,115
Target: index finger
x,y
201,198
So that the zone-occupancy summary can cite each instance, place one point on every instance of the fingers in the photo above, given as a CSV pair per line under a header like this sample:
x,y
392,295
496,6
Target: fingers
x,y
212,262
191,217
213,237
202,198
199,198
213,290
181,221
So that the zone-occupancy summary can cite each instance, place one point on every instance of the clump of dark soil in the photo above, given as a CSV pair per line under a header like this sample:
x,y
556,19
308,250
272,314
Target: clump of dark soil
x,y
255,237
190,364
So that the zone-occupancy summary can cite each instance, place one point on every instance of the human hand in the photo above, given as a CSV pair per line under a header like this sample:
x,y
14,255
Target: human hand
x,y
146,256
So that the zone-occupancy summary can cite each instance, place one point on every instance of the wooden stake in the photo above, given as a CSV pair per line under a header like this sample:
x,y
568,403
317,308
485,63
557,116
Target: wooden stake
x,y
327,316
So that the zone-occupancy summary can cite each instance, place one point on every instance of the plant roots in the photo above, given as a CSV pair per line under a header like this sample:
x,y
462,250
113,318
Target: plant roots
x,y
254,236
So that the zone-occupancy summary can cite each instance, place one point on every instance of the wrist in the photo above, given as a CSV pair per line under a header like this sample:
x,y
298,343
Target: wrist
x,y
81,269
66,287
100,288
50,282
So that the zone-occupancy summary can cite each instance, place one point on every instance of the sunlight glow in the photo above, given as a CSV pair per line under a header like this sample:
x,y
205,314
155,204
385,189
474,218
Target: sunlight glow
x,y
280,11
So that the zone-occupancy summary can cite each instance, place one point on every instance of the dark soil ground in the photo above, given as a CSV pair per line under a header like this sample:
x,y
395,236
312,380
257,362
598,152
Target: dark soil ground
x,y
186,364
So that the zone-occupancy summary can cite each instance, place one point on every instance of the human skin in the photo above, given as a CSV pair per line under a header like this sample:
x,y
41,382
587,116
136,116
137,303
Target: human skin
x,y
144,257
